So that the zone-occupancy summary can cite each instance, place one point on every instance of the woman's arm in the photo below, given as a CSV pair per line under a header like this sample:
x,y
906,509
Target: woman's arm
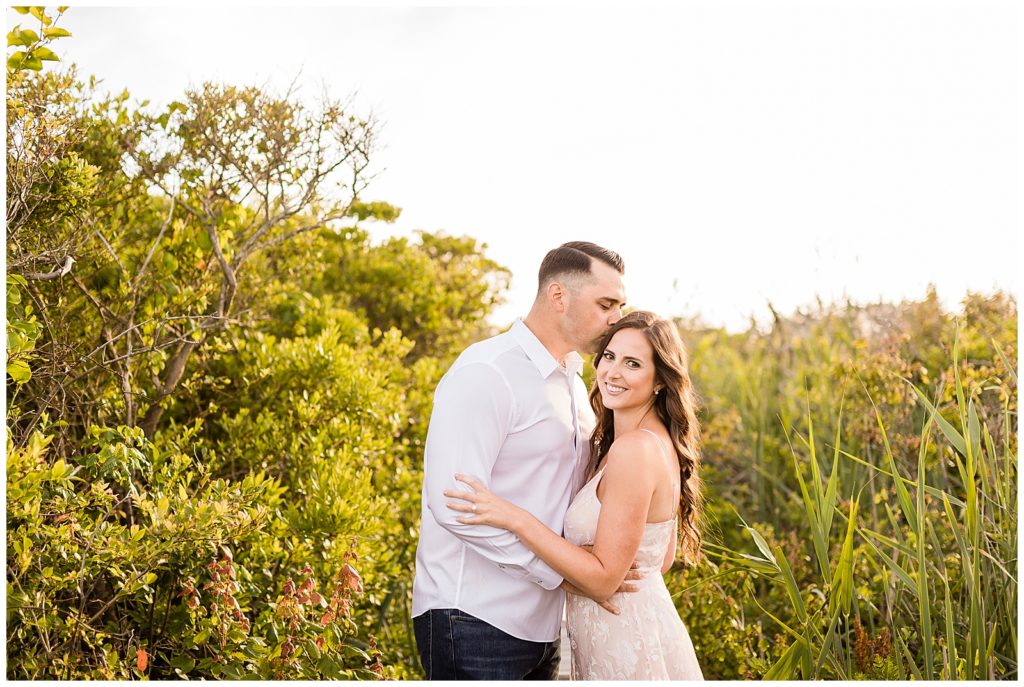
x,y
629,483
607,605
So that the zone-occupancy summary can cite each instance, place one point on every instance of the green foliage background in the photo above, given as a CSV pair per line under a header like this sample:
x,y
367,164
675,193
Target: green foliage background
x,y
216,416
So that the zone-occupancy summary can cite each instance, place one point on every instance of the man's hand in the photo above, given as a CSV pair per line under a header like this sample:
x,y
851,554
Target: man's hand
x,y
569,588
632,574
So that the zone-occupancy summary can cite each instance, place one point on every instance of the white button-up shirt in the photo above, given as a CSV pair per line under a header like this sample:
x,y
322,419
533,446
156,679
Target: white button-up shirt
x,y
509,415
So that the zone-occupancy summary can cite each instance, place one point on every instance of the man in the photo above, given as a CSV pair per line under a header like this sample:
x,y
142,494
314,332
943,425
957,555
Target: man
x,y
513,412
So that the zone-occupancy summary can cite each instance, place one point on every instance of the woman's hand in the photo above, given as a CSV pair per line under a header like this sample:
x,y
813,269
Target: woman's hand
x,y
483,507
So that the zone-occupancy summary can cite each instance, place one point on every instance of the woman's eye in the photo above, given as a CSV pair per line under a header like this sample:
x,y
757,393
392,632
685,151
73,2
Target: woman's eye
x,y
607,356
634,364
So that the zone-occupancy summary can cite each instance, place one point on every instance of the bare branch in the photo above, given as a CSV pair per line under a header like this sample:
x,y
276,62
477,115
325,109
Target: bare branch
x,y
109,248
60,272
156,242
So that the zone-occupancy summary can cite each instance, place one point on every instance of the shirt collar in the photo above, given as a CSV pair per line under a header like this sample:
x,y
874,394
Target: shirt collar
x,y
541,356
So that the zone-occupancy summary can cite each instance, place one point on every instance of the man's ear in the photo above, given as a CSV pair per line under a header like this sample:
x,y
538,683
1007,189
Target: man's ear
x,y
558,296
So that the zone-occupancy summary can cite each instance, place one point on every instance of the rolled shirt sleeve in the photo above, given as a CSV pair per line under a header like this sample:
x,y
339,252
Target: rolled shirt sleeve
x,y
474,410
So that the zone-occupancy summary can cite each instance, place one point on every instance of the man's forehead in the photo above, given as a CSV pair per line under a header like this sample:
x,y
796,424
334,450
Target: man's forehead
x,y
607,283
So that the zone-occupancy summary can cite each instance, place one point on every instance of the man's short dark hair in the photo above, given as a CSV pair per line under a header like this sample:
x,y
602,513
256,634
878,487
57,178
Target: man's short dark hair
x,y
576,257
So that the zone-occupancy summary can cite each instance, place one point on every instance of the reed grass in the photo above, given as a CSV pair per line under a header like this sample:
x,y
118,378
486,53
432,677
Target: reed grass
x,y
941,556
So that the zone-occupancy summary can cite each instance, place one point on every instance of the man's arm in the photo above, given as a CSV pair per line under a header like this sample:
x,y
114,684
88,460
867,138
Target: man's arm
x,y
631,475
473,412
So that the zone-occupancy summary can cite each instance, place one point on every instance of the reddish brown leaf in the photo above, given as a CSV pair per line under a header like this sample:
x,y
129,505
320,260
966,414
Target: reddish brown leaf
x,y
352,579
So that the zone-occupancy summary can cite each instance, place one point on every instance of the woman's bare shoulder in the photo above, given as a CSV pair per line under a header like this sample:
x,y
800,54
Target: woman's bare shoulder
x,y
635,449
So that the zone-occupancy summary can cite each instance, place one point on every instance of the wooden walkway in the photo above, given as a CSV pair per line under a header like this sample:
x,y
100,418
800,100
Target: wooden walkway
x,y
566,651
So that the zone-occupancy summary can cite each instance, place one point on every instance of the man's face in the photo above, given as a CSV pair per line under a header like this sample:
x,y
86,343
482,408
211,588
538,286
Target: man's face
x,y
593,306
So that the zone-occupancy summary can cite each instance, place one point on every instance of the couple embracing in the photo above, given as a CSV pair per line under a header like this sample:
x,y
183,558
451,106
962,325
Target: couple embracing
x,y
536,497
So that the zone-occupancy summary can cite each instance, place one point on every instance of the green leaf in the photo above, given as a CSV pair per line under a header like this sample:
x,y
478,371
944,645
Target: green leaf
x,y
19,371
32,62
903,495
15,59
791,586
947,429
759,565
937,493
182,663
842,595
21,9
46,54
888,541
762,545
826,644
233,671
831,490
923,601
810,509
204,241
902,574
40,14
55,32
785,667
60,470
329,667
973,429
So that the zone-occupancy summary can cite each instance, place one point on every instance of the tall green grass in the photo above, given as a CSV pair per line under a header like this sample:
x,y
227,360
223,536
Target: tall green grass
x,y
940,563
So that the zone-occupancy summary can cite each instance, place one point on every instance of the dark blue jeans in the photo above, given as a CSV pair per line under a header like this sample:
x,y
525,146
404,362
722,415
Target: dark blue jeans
x,y
453,645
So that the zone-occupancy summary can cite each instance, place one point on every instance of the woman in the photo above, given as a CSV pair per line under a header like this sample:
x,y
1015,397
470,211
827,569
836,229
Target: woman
x,y
643,482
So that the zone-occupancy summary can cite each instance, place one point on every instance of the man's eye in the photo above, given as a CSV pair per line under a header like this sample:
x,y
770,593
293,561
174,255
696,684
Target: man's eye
x,y
605,306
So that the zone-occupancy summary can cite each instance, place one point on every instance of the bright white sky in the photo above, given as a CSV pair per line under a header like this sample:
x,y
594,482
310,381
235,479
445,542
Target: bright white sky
x,y
733,156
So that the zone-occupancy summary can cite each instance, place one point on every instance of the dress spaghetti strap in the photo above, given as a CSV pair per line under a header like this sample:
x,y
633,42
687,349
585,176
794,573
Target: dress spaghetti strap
x,y
661,442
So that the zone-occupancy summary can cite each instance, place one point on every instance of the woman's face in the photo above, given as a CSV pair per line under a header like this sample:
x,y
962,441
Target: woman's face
x,y
625,372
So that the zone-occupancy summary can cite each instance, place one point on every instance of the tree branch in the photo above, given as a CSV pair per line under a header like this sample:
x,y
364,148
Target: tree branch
x,y
57,273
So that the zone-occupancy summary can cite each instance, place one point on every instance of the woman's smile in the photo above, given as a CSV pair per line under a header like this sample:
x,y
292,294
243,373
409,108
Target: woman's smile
x,y
614,389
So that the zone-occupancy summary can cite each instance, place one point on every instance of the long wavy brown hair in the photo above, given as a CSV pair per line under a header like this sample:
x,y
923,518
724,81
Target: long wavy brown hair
x,y
676,405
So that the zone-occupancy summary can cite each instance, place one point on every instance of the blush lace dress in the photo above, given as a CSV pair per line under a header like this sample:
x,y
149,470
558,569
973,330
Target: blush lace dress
x,y
648,640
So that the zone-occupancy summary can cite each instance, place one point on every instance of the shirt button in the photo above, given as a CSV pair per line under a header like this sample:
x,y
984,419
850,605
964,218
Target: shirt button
x,y
501,566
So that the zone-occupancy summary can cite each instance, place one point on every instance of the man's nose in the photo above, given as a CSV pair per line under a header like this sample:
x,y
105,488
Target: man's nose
x,y
615,316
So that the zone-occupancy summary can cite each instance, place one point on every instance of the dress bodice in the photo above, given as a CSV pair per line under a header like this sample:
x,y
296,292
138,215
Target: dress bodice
x,y
581,527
